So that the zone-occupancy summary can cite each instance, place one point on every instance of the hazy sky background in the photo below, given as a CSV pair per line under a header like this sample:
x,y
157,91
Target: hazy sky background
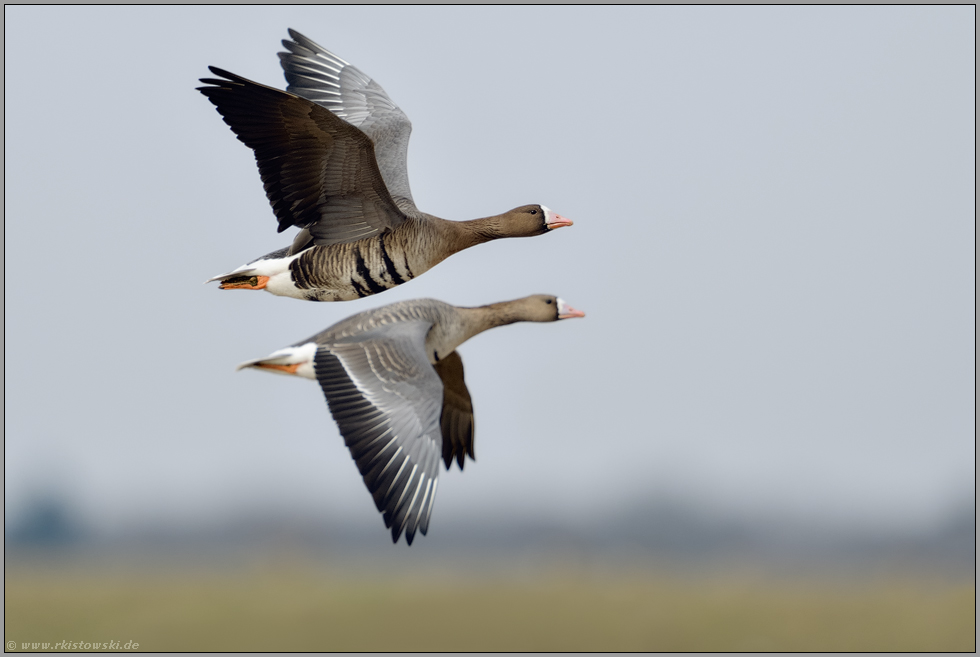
x,y
773,242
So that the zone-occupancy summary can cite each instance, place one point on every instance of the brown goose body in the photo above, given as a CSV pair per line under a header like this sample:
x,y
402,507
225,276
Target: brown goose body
x,y
332,157
394,383
352,270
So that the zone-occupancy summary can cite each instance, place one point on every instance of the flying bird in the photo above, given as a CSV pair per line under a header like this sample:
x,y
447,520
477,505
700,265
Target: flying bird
x,y
394,384
332,154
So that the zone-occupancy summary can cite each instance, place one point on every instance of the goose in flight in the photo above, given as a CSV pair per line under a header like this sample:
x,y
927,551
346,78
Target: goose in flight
x,y
394,384
331,152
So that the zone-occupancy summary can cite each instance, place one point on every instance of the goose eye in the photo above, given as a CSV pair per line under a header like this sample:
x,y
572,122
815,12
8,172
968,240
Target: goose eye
x,y
534,211
548,301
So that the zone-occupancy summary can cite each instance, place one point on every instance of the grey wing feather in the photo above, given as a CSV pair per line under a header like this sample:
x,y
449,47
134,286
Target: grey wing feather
x,y
387,400
315,73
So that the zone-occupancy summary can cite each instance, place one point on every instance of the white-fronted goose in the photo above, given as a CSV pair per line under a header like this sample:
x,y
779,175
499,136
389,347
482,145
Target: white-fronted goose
x,y
394,384
332,157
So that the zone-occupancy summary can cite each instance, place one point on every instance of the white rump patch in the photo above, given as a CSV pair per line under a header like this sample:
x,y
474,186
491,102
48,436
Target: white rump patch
x,y
302,354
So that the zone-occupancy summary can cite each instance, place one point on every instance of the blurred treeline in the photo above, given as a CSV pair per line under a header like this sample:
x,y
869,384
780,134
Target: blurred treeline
x,y
659,579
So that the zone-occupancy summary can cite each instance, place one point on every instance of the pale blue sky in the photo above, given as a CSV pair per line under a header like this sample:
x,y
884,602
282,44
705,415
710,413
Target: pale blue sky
x,y
773,241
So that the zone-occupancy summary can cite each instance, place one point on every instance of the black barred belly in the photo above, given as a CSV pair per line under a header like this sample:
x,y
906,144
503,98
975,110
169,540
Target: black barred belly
x,y
343,272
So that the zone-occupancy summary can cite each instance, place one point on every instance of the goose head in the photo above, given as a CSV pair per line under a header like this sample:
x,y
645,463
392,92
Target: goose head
x,y
543,308
530,220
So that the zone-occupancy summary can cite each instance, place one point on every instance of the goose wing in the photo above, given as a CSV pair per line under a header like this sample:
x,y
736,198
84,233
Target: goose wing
x,y
387,399
319,172
315,73
457,411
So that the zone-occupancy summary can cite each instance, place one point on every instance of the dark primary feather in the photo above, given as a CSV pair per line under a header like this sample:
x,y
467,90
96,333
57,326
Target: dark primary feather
x,y
319,172
457,422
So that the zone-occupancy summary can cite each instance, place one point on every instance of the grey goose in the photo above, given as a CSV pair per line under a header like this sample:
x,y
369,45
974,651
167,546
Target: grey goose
x,y
331,152
394,384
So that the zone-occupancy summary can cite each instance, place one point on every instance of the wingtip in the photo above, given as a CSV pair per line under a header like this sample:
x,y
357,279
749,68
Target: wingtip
x,y
296,38
228,75
299,38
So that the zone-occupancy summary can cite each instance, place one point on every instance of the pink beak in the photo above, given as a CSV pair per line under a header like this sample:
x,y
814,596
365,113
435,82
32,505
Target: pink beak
x,y
567,312
554,220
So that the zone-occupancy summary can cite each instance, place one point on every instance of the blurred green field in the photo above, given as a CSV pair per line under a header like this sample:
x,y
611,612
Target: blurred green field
x,y
295,604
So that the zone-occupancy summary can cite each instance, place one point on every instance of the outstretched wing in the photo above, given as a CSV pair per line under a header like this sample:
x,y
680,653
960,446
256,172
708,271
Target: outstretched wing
x,y
457,411
319,172
315,73
387,399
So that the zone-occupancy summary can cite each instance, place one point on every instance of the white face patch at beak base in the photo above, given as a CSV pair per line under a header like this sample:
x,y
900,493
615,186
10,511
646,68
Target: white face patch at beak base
x,y
554,220
567,312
